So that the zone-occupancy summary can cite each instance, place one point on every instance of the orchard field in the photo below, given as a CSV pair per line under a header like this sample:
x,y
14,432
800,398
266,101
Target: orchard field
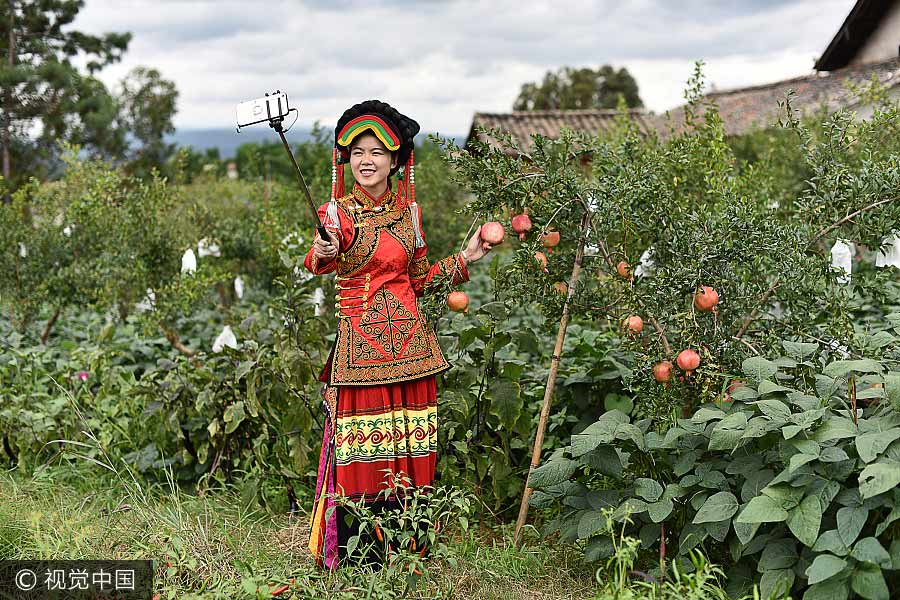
x,y
713,320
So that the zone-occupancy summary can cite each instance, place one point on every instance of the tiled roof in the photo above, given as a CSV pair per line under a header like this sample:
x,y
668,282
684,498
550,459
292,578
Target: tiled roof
x,y
741,109
745,108
548,123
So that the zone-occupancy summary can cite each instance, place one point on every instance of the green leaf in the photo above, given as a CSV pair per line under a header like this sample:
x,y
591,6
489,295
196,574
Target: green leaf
x,y
602,431
805,519
776,583
618,402
850,521
604,459
647,489
841,368
886,522
833,589
705,415
758,368
244,368
800,459
835,428
598,549
506,402
727,433
870,445
868,581
799,351
878,478
870,550
234,416
718,507
590,523
352,543
824,567
762,509
789,431
768,387
830,541
552,472
826,386
776,410
659,511
745,531
780,554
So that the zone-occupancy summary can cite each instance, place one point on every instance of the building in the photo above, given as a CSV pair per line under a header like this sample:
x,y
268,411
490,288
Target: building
x,y
866,46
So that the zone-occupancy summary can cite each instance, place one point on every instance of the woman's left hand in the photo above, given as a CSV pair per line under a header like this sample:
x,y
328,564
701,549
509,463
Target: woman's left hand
x,y
476,248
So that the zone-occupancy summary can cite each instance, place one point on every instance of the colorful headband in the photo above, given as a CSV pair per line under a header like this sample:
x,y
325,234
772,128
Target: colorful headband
x,y
373,123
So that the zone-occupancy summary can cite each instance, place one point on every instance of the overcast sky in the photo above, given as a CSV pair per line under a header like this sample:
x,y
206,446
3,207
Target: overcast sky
x,y
441,61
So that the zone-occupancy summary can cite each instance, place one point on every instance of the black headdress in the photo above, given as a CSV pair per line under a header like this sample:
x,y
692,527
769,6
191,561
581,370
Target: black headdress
x,y
395,130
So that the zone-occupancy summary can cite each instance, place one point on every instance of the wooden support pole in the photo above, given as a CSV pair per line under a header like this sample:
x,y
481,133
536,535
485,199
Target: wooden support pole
x,y
551,378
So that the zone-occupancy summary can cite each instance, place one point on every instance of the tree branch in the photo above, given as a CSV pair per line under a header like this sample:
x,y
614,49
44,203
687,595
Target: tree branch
x,y
849,217
662,335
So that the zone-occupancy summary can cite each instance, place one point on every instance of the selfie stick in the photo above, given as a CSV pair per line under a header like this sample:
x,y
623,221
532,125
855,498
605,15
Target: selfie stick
x,y
276,125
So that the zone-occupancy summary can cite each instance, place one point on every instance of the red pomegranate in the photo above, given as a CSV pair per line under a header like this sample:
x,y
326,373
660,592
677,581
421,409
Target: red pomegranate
x,y
688,360
662,371
561,287
542,259
634,324
623,269
550,239
493,233
458,302
706,298
521,224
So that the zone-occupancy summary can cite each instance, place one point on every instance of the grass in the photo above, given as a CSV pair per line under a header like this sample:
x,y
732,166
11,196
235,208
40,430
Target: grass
x,y
211,545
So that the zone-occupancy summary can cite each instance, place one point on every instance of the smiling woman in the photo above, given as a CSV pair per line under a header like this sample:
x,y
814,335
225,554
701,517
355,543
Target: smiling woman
x,y
380,398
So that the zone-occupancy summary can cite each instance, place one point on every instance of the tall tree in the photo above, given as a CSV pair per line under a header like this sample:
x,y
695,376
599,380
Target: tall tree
x,y
147,105
45,98
583,88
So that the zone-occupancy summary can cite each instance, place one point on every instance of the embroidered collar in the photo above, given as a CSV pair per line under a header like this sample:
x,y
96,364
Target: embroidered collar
x,y
386,201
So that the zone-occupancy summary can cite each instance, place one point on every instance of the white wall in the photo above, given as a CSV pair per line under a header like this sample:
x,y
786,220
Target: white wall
x,y
884,42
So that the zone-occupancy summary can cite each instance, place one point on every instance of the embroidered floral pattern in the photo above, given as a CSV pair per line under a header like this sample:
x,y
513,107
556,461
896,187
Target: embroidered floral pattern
x,y
388,322
386,436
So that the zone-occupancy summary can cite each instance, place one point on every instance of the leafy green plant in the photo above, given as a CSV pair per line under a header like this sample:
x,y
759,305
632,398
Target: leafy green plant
x,y
795,475
401,535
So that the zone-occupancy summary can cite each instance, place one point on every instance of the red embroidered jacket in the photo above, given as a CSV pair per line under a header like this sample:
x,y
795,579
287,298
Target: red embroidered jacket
x,y
380,274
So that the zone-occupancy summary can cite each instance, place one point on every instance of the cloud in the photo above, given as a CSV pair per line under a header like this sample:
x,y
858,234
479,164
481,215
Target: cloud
x,y
442,61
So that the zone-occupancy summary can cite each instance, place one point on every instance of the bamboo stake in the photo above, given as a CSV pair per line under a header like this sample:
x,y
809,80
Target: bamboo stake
x,y
551,378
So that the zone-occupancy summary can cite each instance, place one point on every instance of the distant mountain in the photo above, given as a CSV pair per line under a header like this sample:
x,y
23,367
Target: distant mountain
x,y
228,140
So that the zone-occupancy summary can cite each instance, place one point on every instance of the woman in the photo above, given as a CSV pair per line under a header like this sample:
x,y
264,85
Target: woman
x,y
380,396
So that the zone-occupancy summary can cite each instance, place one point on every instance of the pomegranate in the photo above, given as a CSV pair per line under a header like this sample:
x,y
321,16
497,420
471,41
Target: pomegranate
x,y
623,269
458,302
493,233
561,287
550,239
688,360
662,371
542,259
634,324
521,224
706,298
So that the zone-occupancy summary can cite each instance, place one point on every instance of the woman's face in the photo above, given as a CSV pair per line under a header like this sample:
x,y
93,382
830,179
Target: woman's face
x,y
370,161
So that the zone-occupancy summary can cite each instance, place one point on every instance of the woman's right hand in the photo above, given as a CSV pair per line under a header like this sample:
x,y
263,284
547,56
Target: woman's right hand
x,y
325,250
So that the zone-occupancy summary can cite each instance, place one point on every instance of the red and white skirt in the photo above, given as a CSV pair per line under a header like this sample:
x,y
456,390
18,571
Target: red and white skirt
x,y
375,428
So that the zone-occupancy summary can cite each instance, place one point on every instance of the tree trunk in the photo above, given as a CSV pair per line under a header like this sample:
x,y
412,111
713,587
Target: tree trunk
x,y
46,334
7,104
